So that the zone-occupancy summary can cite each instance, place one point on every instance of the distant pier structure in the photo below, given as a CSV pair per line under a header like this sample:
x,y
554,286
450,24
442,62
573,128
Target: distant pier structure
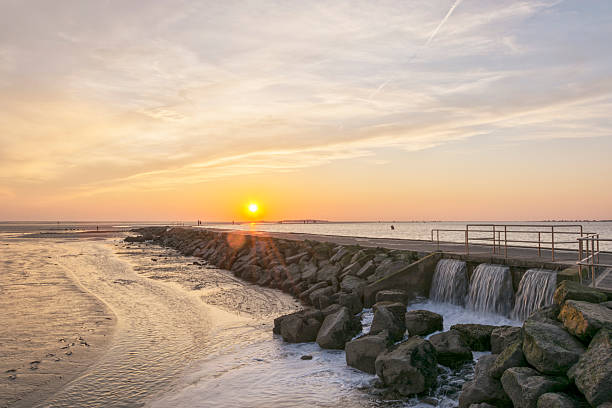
x,y
303,222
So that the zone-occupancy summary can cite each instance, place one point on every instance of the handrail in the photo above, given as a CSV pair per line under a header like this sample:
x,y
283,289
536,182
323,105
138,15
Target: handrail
x,y
501,234
590,244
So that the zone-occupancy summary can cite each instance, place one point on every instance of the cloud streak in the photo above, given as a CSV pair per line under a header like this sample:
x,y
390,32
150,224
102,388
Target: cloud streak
x,y
439,26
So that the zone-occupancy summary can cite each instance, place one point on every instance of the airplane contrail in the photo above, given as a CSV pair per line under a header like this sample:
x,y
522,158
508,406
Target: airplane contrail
x,y
435,32
430,39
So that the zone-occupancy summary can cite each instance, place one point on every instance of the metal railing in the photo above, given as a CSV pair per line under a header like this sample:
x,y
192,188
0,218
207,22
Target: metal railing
x,y
500,236
588,256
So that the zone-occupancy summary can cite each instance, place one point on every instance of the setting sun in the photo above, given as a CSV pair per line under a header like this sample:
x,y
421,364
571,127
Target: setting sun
x,y
253,208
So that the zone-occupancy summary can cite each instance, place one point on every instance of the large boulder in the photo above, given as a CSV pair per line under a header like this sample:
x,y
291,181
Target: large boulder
x,y
477,336
327,273
503,336
353,284
584,319
366,270
451,348
560,400
549,348
301,327
361,353
569,290
512,356
422,322
351,301
410,368
398,309
593,372
524,386
484,388
306,313
385,320
337,329
393,295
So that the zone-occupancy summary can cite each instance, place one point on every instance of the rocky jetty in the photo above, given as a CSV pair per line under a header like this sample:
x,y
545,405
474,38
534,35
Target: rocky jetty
x,y
560,357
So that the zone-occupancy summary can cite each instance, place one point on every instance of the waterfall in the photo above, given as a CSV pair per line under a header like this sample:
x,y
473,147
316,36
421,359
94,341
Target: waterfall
x,y
450,283
535,290
491,289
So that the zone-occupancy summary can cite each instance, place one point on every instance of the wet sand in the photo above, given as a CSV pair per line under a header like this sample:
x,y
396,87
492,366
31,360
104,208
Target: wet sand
x,y
94,321
52,329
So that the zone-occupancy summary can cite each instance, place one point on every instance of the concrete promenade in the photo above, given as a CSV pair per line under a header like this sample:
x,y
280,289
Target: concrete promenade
x,y
564,258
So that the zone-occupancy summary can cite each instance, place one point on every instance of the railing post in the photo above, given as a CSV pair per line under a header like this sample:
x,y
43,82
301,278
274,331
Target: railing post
x,y
438,238
598,248
539,244
506,241
593,261
552,240
467,245
580,259
493,238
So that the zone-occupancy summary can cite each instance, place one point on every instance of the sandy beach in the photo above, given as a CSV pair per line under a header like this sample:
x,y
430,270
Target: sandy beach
x,y
52,328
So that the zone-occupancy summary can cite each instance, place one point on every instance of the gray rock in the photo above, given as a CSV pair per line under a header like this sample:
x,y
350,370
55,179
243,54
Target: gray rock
x,y
482,405
386,320
361,353
584,319
410,368
331,309
512,356
607,304
559,400
315,297
575,291
308,271
342,252
393,295
503,336
352,269
351,301
386,269
305,295
327,273
484,388
525,385
546,313
477,336
337,329
451,348
299,329
549,348
366,270
353,284
396,308
423,322
593,372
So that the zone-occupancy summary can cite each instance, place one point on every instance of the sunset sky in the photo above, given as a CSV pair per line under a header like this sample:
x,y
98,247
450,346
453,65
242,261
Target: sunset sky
x,y
339,110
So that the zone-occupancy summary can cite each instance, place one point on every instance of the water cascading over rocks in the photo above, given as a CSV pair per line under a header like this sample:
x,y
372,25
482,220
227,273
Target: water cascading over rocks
x,y
535,290
450,282
491,289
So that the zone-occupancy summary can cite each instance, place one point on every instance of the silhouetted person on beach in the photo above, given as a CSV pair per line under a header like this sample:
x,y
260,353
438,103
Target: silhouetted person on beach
x,y
392,227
